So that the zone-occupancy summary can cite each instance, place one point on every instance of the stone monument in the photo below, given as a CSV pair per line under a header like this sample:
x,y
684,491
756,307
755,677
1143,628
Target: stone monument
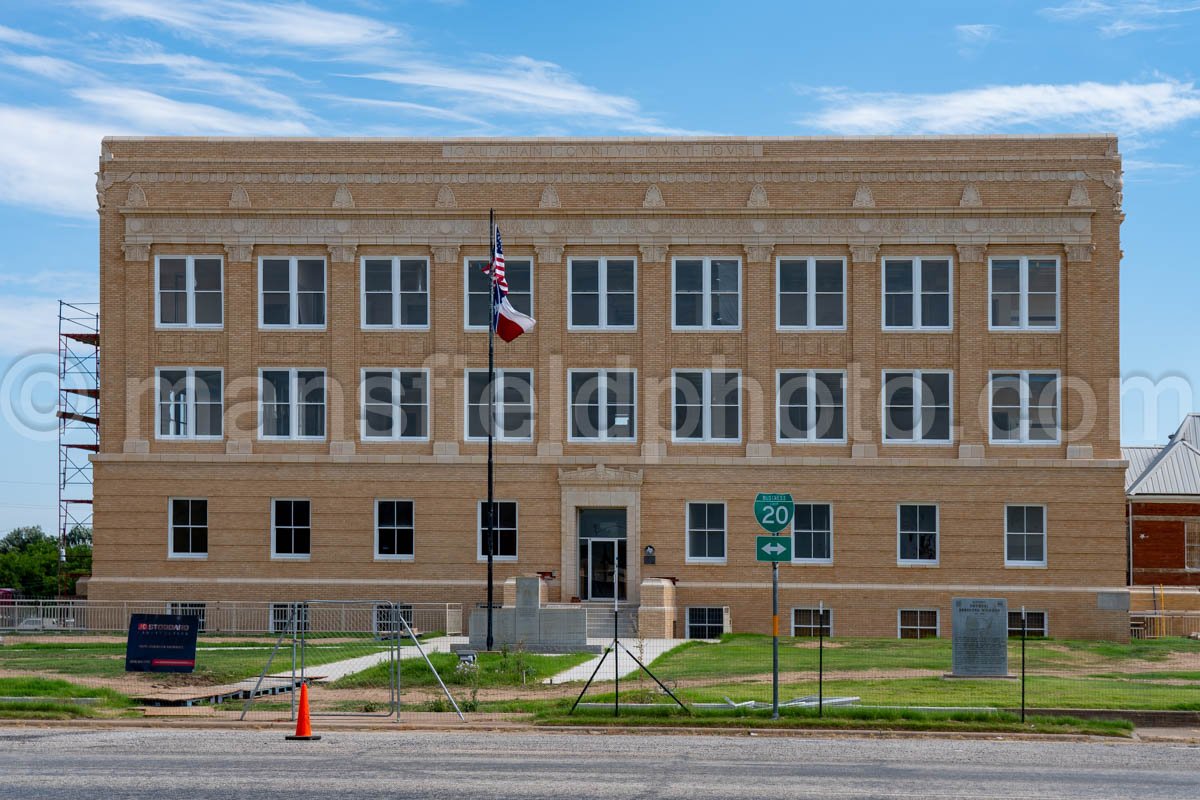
x,y
530,626
980,638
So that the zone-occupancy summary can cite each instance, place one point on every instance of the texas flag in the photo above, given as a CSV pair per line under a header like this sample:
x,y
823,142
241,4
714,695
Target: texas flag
x,y
506,320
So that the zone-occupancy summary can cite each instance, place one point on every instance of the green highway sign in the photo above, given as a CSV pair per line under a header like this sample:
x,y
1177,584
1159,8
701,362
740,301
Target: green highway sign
x,y
773,512
774,548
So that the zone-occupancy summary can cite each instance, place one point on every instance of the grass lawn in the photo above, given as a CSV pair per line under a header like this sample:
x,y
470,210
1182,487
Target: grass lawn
x,y
849,718
216,662
494,669
43,698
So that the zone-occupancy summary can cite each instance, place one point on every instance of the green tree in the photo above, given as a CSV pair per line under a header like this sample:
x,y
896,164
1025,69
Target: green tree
x,y
29,559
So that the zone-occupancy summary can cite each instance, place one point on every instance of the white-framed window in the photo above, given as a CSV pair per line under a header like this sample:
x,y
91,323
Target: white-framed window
x,y
705,622
286,617
706,293
395,404
291,528
706,405
1024,536
810,405
812,622
291,404
917,623
917,294
602,293
918,406
810,294
505,527
812,533
706,533
602,405
514,405
395,530
1036,624
917,533
519,274
395,292
1024,407
184,608
1191,545
291,292
189,291
188,527
190,403
1024,293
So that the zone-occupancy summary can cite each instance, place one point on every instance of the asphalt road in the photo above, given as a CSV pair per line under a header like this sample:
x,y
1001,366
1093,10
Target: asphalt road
x,y
44,763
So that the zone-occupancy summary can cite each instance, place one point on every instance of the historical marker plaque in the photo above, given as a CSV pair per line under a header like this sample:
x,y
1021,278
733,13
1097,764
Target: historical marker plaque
x,y
980,637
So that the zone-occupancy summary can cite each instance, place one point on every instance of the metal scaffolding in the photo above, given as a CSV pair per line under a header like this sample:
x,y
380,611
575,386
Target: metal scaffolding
x,y
78,422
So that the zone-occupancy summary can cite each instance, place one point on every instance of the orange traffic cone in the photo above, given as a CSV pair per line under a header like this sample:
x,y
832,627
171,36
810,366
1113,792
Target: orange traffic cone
x,y
303,724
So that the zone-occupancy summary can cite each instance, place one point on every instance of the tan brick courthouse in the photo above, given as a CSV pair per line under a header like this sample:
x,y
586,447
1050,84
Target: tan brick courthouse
x,y
914,337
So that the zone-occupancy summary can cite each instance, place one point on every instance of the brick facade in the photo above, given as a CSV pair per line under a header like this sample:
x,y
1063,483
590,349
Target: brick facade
x,y
964,199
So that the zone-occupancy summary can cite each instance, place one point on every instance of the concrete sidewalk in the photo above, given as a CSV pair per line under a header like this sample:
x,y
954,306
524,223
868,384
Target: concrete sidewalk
x,y
653,648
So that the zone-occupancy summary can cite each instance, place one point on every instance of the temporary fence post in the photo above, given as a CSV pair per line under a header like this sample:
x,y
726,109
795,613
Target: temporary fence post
x,y
821,659
1023,632
774,640
293,692
616,635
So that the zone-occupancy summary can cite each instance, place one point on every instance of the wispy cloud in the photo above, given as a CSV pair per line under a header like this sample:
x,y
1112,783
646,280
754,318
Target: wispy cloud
x,y
1116,18
1127,108
22,38
282,23
973,38
48,160
402,105
56,69
152,113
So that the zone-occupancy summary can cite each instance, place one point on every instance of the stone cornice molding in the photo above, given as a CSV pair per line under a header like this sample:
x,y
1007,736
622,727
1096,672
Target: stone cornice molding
x,y
946,228
599,475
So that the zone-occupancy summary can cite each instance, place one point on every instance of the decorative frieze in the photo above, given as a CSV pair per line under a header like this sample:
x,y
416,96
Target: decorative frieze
x,y
445,198
970,197
599,474
342,197
758,197
549,198
1079,196
863,197
239,197
653,198
136,197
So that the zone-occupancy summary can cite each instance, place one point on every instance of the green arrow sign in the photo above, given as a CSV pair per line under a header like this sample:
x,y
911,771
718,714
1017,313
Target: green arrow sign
x,y
773,548
773,511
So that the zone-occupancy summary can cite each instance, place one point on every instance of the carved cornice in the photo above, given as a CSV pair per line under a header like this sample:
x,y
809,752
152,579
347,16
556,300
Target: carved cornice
x,y
599,475
864,253
972,253
1080,252
239,253
549,253
759,253
653,253
341,253
445,254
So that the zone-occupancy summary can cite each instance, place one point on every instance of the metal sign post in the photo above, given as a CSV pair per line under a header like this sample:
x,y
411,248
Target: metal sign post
x,y
774,513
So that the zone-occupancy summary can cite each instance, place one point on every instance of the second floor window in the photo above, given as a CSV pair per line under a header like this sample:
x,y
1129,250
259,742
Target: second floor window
x,y
1024,536
811,293
394,530
812,533
189,403
916,293
918,534
292,404
189,291
812,406
519,274
1024,293
514,405
1024,407
707,293
603,293
504,527
395,404
291,529
706,406
603,404
291,292
706,532
916,406
395,293
189,528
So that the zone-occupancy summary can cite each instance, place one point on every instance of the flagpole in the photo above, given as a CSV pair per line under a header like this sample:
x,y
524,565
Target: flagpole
x,y
491,503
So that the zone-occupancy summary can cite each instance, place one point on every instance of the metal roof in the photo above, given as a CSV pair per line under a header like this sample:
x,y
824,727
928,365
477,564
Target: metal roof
x,y
1170,470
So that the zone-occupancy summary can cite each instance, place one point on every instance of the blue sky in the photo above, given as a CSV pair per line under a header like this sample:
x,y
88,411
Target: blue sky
x,y
74,70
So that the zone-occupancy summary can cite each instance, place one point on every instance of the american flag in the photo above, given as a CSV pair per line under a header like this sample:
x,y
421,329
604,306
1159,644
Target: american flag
x,y
497,268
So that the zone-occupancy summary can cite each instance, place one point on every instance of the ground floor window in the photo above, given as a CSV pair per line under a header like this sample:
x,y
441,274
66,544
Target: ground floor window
x,y
188,610
283,614
394,529
189,527
1035,624
505,529
918,623
291,529
705,623
1192,545
812,622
